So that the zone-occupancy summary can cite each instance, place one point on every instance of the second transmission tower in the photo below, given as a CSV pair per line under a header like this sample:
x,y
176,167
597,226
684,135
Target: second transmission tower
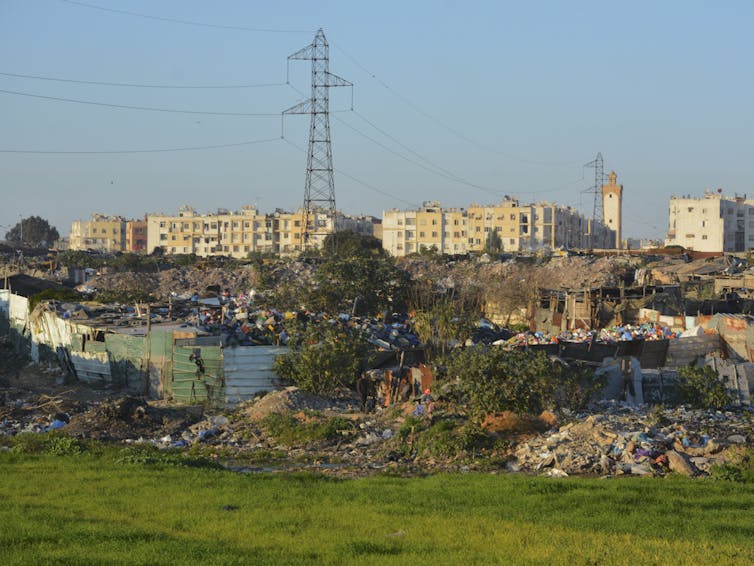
x,y
599,180
319,190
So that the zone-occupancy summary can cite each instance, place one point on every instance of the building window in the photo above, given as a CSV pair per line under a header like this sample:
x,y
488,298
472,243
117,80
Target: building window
x,y
434,234
704,237
421,234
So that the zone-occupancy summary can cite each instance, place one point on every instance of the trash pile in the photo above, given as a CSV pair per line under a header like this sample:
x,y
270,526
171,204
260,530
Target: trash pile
x,y
241,322
489,333
624,440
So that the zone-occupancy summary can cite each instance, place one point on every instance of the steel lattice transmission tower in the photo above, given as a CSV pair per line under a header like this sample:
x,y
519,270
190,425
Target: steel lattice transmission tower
x,y
599,180
319,190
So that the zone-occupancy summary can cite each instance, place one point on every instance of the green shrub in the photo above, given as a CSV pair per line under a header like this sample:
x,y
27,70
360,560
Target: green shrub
x,y
323,358
702,388
740,469
55,443
492,380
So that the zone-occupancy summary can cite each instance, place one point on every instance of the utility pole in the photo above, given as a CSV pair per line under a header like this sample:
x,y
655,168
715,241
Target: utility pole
x,y
319,189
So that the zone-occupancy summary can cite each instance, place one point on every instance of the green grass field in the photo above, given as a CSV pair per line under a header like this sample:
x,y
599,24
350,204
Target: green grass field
x,y
87,509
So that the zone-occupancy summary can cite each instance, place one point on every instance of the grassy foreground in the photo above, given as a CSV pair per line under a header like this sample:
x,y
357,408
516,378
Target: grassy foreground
x,y
88,510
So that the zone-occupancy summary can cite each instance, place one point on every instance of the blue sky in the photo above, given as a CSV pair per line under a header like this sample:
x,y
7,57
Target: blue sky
x,y
508,98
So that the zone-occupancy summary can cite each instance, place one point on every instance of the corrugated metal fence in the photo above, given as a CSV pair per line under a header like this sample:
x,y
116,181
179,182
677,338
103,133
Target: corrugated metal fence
x,y
178,365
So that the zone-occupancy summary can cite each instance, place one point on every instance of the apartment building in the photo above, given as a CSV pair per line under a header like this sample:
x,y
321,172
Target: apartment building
x,y
712,223
236,234
136,236
228,233
519,227
101,232
429,227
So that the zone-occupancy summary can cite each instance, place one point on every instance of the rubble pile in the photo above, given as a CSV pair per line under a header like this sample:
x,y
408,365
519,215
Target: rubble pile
x,y
575,272
176,281
629,440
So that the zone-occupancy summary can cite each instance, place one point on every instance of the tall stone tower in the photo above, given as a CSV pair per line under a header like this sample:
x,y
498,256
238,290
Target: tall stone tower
x,y
612,200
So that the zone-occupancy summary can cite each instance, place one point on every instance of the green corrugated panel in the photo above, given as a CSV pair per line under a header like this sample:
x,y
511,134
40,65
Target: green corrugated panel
x,y
127,360
189,384
161,353
93,346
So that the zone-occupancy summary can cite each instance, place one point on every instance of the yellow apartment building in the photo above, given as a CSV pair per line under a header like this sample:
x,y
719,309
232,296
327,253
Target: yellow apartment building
x,y
101,232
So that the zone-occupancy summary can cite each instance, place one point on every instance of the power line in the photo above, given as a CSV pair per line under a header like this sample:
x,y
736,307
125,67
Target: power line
x,y
138,85
359,181
442,172
179,21
415,162
126,151
447,173
416,108
129,107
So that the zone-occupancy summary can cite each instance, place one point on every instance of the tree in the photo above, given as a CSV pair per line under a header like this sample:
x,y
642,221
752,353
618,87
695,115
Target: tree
x,y
351,244
493,244
33,231
356,275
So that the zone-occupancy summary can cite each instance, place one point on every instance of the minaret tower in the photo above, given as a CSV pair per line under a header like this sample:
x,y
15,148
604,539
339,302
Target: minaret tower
x,y
612,200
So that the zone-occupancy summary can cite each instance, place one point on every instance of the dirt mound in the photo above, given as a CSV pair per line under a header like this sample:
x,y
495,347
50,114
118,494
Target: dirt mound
x,y
294,400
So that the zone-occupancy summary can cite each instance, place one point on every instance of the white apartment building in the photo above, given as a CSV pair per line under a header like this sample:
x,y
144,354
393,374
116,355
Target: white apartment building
x,y
712,223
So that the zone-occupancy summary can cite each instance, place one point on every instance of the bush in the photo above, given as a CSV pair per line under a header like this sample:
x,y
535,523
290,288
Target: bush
x,y
739,469
493,380
323,358
702,388
54,443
